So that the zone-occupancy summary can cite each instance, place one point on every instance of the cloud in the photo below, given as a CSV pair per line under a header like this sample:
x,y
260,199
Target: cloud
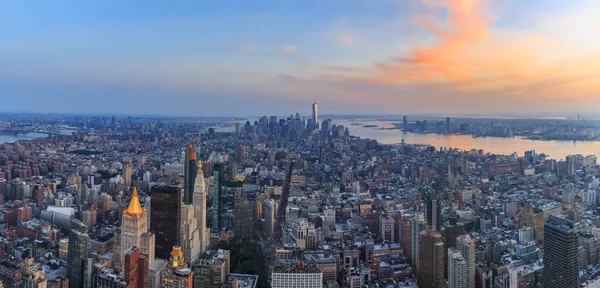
x,y
288,49
469,54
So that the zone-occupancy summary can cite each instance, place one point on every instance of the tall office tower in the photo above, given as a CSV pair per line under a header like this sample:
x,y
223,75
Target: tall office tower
x,y
177,274
135,268
164,221
269,205
233,171
215,195
238,129
200,209
466,245
243,211
433,210
133,227
127,171
405,124
448,129
315,114
301,276
457,269
561,267
190,174
240,153
431,259
418,224
212,270
78,255
190,237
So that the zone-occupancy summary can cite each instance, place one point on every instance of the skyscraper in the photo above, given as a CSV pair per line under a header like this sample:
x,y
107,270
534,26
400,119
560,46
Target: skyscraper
x,y
405,124
190,237
315,114
457,269
418,224
78,254
433,210
243,215
269,205
190,173
134,226
431,259
561,267
215,195
240,153
448,130
127,171
466,245
200,209
166,202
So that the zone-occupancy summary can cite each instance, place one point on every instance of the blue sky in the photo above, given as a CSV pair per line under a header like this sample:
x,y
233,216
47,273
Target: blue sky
x,y
209,58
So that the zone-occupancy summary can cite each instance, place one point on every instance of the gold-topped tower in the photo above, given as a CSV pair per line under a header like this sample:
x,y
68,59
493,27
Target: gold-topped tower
x,y
134,206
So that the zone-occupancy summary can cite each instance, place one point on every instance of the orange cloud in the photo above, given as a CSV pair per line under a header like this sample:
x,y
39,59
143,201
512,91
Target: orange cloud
x,y
470,56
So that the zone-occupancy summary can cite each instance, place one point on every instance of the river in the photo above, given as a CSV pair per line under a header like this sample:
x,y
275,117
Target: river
x,y
13,138
555,149
29,136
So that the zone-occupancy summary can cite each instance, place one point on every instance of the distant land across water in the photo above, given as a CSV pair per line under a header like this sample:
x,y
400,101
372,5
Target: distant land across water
x,y
496,145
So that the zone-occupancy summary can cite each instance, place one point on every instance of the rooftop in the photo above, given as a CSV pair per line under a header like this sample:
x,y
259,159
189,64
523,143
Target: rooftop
x,y
307,269
244,280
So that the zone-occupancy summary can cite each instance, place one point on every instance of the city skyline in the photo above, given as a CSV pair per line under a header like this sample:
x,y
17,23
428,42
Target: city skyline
x,y
367,57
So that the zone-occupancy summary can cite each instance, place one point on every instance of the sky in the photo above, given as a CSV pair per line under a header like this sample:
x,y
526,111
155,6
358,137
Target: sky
x,y
255,57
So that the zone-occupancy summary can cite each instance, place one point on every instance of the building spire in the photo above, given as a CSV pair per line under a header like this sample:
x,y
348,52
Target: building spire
x,y
134,206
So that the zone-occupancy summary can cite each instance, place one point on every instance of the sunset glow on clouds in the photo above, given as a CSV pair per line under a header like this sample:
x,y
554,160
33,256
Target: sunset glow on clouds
x,y
355,56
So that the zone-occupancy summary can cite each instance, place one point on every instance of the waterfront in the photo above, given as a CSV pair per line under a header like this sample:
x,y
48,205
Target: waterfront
x,y
556,149
13,138
30,136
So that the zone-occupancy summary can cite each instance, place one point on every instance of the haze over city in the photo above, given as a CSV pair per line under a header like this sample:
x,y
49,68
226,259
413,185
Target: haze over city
x,y
188,58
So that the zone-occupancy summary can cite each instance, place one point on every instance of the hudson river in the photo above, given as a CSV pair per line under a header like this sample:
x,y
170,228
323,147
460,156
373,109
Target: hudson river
x,y
555,149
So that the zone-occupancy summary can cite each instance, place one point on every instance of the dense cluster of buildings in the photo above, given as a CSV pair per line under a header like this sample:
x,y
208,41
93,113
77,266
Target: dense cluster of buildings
x,y
148,203
530,128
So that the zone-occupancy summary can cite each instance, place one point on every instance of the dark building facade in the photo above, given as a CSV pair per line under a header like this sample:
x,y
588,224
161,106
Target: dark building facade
x,y
243,215
561,266
216,201
433,210
191,171
164,218
430,273
79,243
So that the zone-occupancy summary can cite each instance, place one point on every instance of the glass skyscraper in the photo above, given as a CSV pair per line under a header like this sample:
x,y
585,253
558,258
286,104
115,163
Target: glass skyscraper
x,y
166,204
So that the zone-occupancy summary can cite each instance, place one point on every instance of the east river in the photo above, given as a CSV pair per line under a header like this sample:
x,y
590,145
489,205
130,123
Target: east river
x,y
555,149
13,138
29,136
